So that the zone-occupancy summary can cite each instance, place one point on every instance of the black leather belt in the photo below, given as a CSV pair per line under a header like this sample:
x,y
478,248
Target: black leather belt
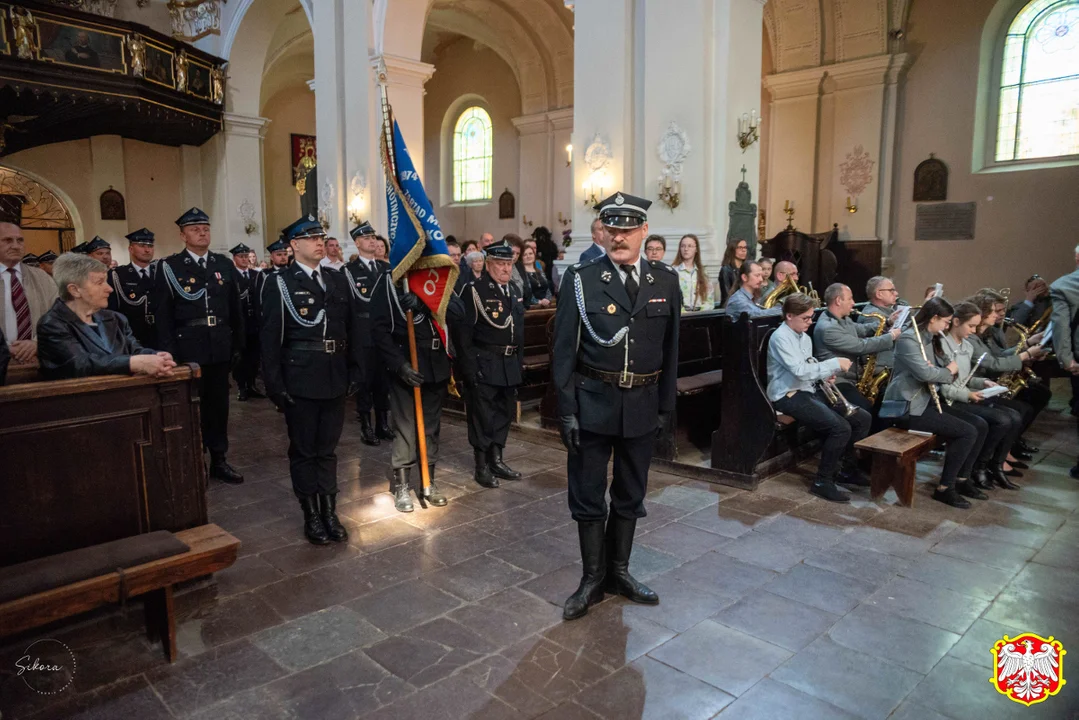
x,y
321,346
504,350
208,321
626,380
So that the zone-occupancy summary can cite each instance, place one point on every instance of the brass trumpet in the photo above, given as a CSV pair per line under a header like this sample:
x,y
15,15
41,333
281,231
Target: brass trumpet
x,y
836,399
789,286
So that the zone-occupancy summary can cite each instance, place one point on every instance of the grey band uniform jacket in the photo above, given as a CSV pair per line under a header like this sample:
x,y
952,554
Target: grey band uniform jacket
x,y
911,374
847,339
884,357
1064,292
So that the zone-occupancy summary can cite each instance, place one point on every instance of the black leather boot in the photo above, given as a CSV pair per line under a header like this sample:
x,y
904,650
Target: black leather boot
x,y
620,532
402,497
383,430
367,431
483,473
327,505
590,591
241,394
1001,480
499,468
949,496
313,529
980,478
220,469
434,495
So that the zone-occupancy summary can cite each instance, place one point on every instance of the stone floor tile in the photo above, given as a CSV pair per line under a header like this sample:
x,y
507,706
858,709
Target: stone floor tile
x,y
316,638
542,484
418,661
402,606
658,516
247,573
976,644
958,690
609,636
646,563
491,501
1059,552
681,540
684,498
858,683
1049,582
967,546
368,509
965,577
696,652
131,698
382,534
681,605
495,674
722,520
551,670
766,551
305,557
505,617
459,544
912,644
777,620
649,689
540,554
1016,532
1023,610
722,573
940,607
866,565
886,541
385,568
798,531
218,622
517,524
568,711
761,504
911,710
821,589
772,700
450,698
479,577
839,515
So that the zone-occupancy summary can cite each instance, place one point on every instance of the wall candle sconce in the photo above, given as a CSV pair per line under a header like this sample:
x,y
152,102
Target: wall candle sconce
x,y
748,129
593,188
852,207
670,191
247,214
355,210
526,222
788,208
356,206
563,221
569,155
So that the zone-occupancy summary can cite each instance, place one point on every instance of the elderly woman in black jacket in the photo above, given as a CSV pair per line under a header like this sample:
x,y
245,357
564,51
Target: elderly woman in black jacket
x,y
78,336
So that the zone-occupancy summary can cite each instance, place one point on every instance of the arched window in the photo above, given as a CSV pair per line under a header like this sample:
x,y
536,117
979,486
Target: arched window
x,y
1038,110
472,156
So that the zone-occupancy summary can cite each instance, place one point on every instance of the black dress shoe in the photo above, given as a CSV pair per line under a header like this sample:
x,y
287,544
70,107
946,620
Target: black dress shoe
x,y
827,489
950,497
255,394
593,566
498,468
1074,472
620,533
383,429
1018,465
1024,456
1012,473
327,506
242,395
966,488
981,479
221,470
367,432
313,529
852,477
483,474
1000,479
1023,446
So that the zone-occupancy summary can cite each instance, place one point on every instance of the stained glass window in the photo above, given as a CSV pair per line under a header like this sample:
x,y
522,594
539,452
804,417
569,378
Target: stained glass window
x,y
1039,87
472,156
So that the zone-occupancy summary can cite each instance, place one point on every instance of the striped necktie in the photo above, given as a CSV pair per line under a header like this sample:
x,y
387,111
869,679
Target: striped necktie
x,y
21,306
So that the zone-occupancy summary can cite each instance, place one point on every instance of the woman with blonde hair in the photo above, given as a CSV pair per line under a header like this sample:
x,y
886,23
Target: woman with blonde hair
x,y
697,292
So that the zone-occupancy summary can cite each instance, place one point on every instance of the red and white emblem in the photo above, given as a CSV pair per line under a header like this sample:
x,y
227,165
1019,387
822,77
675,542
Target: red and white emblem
x,y
1028,668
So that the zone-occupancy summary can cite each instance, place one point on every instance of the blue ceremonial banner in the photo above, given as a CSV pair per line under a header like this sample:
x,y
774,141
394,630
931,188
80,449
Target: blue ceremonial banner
x,y
417,246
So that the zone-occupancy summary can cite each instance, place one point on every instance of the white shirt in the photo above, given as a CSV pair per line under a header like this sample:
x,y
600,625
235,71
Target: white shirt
x,y
196,258
142,272
310,271
636,274
369,262
335,264
11,323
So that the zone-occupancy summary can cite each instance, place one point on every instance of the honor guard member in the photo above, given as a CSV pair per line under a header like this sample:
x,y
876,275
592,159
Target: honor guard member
x,y
311,361
388,319
489,343
99,249
45,261
363,273
247,280
198,317
132,286
614,368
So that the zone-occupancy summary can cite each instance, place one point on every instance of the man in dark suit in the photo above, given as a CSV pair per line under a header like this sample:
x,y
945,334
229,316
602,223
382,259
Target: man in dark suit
x,y
311,361
247,280
199,319
614,368
600,240
489,344
363,273
132,287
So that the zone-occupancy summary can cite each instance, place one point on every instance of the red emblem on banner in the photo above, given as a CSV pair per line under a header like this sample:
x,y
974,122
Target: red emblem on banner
x,y
1028,668
430,285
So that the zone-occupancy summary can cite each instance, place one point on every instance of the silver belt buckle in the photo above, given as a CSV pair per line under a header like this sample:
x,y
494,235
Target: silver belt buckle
x,y
149,319
436,344
330,346
211,321
625,380
509,350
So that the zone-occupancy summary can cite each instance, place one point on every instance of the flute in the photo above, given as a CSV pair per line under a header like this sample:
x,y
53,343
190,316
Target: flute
x,y
970,375
932,386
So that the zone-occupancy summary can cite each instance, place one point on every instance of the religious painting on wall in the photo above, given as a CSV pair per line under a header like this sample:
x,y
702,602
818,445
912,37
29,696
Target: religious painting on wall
x,y
112,205
159,64
507,206
304,159
931,180
83,46
198,78
5,48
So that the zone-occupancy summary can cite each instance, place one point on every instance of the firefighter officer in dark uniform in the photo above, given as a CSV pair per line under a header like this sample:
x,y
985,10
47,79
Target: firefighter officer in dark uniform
x,y
391,337
247,280
489,343
311,361
614,367
133,285
199,319
363,273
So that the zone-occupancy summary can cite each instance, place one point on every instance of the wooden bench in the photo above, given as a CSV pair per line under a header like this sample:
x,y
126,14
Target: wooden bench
x,y
210,549
895,453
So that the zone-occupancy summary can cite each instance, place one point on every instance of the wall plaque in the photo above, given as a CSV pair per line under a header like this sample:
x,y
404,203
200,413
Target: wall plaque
x,y
112,205
931,180
945,221
506,205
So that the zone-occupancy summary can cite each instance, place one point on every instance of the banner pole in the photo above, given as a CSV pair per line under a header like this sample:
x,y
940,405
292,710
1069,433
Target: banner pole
x,y
421,435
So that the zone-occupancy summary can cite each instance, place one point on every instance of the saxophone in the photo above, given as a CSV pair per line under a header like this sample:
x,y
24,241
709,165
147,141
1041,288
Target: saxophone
x,y
1016,381
869,385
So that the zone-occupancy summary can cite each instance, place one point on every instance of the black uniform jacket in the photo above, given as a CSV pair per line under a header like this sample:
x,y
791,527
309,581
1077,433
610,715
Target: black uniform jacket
x,y
183,326
69,348
604,407
249,288
132,295
481,354
391,335
363,279
302,371
5,358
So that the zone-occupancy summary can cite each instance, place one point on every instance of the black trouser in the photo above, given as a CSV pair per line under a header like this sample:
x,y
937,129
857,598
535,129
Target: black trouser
x,y
373,392
854,397
214,408
314,427
1075,400
587,473
839,433
1002,429
1037,396
490,410
406,449
962,438
247,369
1026,412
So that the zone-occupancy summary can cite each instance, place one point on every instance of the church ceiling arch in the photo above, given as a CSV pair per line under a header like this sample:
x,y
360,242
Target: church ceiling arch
x,y
796,33
256,37
861,28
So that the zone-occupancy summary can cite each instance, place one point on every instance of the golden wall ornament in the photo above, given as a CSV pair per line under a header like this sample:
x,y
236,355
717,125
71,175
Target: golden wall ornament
x,y
181,70
22,22
136,48
217,84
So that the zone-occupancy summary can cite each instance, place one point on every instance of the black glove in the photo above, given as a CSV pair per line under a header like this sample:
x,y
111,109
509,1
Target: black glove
x,y
409,376
664,418
571,433
282,400
353,388
410,301
455,311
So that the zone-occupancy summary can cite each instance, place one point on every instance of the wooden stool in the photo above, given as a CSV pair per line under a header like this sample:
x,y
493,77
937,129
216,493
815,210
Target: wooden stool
x,y
895,453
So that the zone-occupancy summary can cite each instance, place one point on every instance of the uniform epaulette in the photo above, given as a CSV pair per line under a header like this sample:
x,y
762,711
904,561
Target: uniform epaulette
x,y
663,266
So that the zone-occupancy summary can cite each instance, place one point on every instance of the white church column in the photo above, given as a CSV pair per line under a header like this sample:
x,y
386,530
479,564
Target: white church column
x,y
406,79
236,178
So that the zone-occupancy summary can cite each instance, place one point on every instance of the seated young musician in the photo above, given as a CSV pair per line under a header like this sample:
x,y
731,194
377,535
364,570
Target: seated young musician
x,y
743,300
793,376
78,336
915,376
965,396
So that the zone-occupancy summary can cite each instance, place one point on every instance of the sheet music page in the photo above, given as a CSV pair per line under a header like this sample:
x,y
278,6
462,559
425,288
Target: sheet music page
x,y
904,313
